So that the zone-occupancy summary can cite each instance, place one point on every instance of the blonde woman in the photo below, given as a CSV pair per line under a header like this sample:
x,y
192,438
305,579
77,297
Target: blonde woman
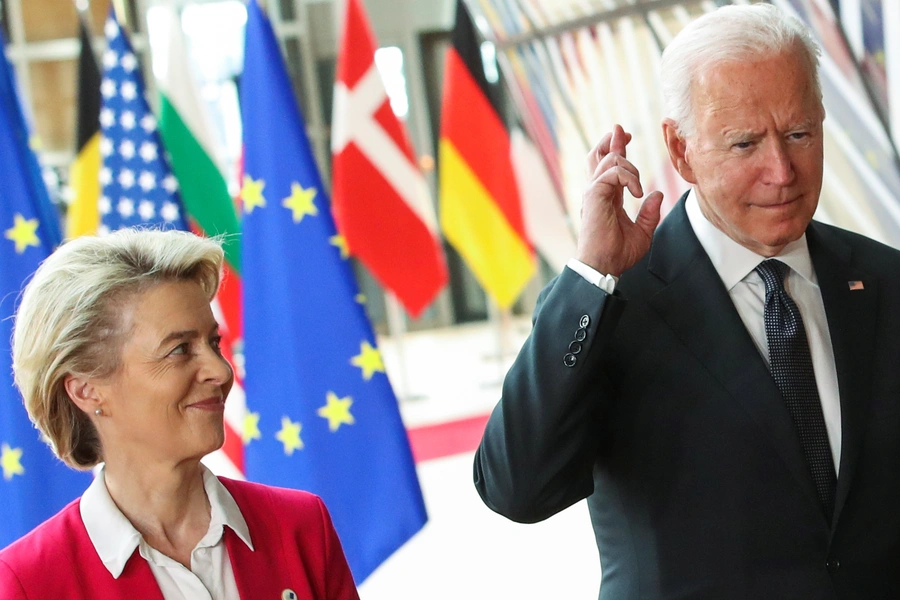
x,y
116,353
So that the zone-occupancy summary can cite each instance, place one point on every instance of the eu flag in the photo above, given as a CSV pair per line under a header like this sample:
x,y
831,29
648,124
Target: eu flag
x,y
34,484
321,412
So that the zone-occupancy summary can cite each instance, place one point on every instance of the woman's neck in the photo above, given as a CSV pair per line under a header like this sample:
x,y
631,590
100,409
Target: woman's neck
x,y
166,503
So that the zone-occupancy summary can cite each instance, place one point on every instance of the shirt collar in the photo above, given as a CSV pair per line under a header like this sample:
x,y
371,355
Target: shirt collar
x,y
115,538
732,261
223,509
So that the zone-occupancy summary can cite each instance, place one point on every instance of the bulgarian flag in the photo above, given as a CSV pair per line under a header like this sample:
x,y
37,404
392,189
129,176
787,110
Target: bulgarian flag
x,y
205,194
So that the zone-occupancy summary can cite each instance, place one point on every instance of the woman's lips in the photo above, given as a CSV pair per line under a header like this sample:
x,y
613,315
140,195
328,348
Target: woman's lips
x,y
211,404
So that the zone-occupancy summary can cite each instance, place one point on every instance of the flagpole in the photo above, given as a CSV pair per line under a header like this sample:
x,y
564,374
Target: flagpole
x,y
83,7
890,21
17,39
122,12
84,11
500,319
397,330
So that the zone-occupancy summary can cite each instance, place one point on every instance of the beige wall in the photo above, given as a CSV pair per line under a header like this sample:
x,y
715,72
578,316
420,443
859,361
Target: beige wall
x,y
53,83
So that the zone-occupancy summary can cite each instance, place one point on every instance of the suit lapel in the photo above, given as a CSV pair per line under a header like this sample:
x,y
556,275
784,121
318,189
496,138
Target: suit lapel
x,y
254,575
698,308
137,580
852,317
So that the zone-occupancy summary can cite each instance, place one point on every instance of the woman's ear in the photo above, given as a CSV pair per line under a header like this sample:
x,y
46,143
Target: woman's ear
x,y
84,394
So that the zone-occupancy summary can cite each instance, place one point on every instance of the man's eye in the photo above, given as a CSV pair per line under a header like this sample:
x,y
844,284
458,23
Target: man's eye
x,y
742,145
799,135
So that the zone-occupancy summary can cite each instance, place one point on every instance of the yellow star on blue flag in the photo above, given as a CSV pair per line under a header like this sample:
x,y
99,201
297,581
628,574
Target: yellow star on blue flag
x,y
368,360
252,194
301,202
11,461
289,436
23,233
34,484
337,411
304,328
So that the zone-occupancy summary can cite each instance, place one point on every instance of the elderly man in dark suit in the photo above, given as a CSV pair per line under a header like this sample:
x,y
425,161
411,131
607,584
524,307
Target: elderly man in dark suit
x,y
725,388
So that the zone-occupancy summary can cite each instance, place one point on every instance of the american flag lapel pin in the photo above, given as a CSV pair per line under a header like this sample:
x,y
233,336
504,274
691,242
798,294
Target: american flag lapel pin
x,y
856,285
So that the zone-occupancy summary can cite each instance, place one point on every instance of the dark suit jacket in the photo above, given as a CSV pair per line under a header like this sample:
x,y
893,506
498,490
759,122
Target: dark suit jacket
x,y
295,547
671,425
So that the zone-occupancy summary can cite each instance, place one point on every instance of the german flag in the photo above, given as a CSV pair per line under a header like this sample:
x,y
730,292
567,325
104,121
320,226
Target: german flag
x,y
480,210
83,217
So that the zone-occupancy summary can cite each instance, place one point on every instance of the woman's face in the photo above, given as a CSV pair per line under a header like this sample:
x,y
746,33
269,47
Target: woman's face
x,y
167,398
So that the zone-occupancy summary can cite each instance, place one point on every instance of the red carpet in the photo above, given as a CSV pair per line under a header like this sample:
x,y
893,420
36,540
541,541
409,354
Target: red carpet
x,y
445,439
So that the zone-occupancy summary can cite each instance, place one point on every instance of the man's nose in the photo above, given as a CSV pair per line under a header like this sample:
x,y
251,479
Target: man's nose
x,y
779,169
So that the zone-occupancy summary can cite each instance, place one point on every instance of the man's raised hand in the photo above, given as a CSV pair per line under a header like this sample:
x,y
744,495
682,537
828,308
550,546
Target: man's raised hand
x,y
609,241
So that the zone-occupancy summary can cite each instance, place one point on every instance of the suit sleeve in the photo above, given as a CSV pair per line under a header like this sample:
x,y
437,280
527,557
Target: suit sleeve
x,y
338,579
10,586
541,441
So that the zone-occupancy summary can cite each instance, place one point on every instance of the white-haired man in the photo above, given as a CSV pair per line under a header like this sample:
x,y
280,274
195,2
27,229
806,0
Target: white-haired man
x,y
724,388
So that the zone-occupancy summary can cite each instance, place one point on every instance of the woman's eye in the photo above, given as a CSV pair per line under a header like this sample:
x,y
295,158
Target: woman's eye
x,y
180,349
216,343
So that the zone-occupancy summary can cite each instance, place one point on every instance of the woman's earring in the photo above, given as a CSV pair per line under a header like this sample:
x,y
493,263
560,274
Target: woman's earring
x,y
98,412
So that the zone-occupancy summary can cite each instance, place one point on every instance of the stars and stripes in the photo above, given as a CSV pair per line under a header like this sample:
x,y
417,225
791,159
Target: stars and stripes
x,y
138,188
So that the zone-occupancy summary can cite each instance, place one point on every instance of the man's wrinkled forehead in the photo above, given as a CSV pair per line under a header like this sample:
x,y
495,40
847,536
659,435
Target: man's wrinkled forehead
x,y
707,73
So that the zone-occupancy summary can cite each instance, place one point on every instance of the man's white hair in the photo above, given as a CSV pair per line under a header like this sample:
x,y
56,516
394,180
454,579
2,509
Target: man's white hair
x,y
729,34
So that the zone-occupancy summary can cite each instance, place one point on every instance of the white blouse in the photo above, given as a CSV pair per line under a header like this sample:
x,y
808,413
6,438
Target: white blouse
x,y
210,576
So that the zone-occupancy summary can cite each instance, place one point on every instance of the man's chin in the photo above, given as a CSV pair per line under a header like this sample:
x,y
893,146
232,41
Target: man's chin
x,y
769,245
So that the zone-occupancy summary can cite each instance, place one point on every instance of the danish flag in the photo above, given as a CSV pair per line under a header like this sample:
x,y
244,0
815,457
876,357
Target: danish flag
x,y
381,200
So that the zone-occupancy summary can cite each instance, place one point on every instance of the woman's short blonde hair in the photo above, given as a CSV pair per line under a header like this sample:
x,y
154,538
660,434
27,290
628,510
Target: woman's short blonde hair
x,y
69,321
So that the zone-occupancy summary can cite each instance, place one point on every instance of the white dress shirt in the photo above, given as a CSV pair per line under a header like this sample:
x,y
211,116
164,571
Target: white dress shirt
x,y
735,265
210,576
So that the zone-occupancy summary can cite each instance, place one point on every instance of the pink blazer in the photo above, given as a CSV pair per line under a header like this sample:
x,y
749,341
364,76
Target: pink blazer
x,y
296,549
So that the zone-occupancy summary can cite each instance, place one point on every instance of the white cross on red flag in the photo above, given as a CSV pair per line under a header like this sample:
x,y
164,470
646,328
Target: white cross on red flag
x,y
380,198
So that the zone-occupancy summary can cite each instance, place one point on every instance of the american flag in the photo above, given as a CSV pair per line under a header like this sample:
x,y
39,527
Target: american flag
x,y
137,182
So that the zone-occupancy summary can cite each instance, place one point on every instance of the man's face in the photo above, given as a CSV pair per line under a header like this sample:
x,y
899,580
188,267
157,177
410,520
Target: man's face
x,y
756,158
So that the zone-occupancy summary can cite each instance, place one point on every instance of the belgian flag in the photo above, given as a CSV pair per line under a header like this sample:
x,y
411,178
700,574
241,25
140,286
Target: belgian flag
x,y
480,209
83,217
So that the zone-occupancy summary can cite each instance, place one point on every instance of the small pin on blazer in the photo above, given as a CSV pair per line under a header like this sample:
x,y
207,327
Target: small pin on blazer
x,y
856,285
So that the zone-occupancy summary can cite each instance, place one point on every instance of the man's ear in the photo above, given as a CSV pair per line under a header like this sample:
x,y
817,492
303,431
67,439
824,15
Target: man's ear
x,y
677,148
83,393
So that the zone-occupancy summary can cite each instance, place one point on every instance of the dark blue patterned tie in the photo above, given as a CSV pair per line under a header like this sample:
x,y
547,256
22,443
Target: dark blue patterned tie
x,y
791,366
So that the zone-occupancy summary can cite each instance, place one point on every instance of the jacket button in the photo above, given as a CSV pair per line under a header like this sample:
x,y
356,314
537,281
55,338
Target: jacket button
x,y
832,565
580,334
585,321
569,360
575,347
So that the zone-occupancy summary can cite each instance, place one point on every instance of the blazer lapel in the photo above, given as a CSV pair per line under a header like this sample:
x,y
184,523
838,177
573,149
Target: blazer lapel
x,y
137,580
696,305
256,576
852,317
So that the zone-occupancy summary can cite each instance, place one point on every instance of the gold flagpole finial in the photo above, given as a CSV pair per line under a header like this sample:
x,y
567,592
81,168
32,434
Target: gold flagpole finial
x,y
121,12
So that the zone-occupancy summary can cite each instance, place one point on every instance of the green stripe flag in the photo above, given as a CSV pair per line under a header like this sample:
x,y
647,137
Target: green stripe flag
x,y
187,138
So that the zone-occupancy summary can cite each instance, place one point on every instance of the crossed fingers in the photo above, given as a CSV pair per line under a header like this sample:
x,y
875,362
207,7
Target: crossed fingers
x,y
607,164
